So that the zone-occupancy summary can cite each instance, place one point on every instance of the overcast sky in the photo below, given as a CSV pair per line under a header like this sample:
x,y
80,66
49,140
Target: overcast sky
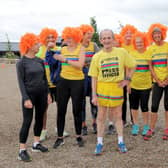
x,y
20,16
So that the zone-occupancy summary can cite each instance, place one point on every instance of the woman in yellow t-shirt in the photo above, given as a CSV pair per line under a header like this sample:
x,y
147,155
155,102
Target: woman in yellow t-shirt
x,y
127,33
90,49
158,54
71,83
107,70
141,83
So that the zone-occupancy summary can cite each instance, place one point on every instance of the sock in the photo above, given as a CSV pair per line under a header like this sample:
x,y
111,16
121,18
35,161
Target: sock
x,y
120,139
100,140
35,144
20,150
111,123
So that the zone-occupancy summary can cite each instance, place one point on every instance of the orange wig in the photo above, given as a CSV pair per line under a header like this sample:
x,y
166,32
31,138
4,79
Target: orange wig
x,y
157,27
86,28
27,41
118,38
46,32
72,32
126,28
141,35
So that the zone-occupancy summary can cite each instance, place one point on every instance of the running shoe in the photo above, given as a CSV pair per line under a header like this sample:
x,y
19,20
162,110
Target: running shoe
x,y
58,142
145,130
39,148
24,156
135,130
94,125
84,131
122,147
80,141
165,136
43,135
148,135
111,129
99,148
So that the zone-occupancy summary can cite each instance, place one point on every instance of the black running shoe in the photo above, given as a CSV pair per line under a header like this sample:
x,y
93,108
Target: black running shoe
x,y
80,141
24,156
58,143
84,131
94,128
111,130
39,148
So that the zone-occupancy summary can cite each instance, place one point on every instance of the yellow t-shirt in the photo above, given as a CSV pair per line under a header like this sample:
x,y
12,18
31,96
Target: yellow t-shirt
x,y
110,66
159,57
68,71
129,48
141,78
41,54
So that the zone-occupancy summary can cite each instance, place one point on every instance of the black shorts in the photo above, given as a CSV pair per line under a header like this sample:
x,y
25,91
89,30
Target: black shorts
x,y
53,93
139,97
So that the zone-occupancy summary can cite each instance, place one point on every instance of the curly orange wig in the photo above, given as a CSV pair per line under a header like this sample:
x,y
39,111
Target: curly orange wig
x,y
72,32
157,27
126,28
118,38
86,28
141,35
27,41
45,32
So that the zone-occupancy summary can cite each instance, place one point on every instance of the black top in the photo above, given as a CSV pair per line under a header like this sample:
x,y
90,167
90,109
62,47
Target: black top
x,y
31,76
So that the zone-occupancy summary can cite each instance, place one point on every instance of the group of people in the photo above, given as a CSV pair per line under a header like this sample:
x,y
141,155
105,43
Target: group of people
x,y
129,62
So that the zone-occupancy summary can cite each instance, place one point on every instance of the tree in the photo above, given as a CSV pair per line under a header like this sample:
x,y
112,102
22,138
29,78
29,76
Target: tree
x,y
95,37
9,54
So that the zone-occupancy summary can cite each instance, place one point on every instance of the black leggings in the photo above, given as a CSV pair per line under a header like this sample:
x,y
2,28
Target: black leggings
x,y
139,97
157,93
65,90
39,101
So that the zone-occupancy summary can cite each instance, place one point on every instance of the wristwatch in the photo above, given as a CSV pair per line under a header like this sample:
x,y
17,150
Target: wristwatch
x,y
127,78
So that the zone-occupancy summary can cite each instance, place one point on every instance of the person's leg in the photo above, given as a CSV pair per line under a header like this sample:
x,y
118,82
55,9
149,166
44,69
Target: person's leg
x,y
134,99
124,107
165,136
111,128
117,114
63,94
157,93
144,99
77,97
101,117
23,135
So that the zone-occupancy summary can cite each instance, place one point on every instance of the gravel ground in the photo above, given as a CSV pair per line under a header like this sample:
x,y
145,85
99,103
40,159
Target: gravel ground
x,y
152,154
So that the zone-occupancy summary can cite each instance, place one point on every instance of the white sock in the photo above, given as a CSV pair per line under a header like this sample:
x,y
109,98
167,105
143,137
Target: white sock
x,y
120,139
20,150
100,140
35,144
111,123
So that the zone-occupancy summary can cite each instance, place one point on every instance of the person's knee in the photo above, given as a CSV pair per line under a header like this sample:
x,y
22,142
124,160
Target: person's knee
x,y
154,108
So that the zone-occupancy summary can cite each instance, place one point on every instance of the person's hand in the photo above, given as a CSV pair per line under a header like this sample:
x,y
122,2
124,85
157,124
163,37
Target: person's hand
x,y
28,104
161,83
95,100
49,99
123,83
50,45
59,57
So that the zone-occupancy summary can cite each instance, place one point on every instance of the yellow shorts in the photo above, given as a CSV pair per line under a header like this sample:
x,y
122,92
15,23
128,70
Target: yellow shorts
x,y
109,94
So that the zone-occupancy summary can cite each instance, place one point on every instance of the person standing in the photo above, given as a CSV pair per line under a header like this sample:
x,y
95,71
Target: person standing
x,y
71,83
35,94
141,83
107,71
158,55
90,49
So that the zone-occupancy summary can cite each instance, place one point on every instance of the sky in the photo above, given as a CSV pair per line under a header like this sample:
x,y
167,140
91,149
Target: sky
x,y
20,16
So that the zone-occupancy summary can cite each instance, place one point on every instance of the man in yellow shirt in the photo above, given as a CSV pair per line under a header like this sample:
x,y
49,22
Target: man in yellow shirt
x,y
158,55
107,70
